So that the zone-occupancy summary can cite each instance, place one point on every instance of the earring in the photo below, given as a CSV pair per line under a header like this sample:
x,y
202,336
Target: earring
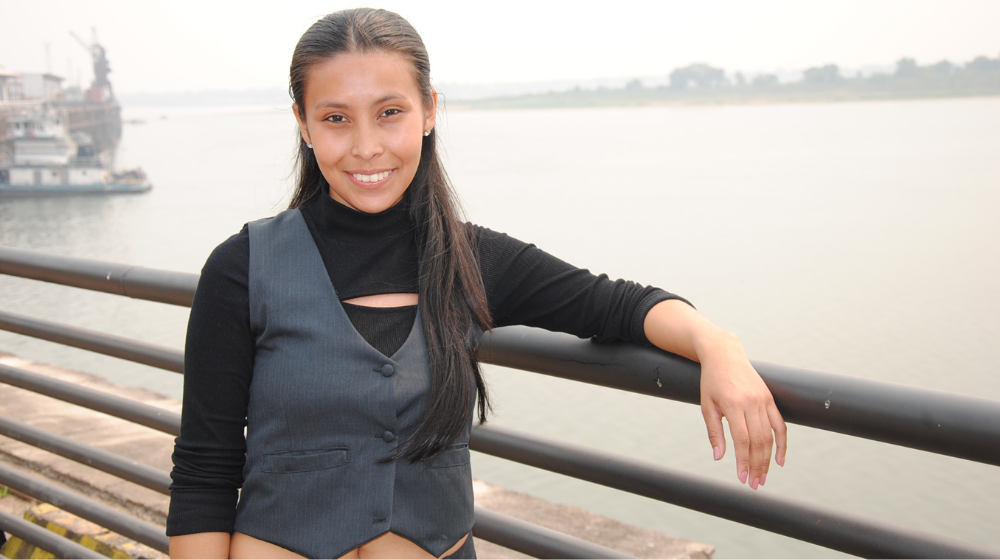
x,y
309,145
427,133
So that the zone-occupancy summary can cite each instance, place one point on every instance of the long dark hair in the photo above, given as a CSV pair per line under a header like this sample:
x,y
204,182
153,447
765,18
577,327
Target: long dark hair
x,y
452,298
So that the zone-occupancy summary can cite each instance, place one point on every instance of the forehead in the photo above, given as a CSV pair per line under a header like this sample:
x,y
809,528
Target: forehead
x,y
356,79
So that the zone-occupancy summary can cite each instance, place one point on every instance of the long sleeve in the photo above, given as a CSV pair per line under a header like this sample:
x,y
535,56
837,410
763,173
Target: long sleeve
x,y
527,286
209,454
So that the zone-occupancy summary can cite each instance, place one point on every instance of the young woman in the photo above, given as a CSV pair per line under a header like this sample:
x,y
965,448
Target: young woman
x,y
341,334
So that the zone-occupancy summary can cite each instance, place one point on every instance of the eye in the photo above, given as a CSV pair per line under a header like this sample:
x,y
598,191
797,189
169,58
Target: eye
x,y
335,118
391,112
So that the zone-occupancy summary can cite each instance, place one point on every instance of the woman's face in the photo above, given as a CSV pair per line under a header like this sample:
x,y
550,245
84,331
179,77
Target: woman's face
x,y
365,119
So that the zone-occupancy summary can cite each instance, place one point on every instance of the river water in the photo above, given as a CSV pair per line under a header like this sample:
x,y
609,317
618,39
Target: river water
x,y
855,238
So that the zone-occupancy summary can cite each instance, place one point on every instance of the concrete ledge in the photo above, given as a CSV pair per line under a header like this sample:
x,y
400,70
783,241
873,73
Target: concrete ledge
x,y
637,541
154,448
79,530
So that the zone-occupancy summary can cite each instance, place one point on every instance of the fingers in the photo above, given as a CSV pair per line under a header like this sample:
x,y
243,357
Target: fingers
x,y
716,434
741,446
765,425
753,442
780,433
756,452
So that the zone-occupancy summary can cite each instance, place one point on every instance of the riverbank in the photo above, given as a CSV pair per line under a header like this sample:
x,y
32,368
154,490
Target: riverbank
x,y
153,448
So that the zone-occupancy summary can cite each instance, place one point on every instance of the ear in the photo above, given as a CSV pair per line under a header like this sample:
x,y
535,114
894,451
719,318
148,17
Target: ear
x,y
430,113
303,129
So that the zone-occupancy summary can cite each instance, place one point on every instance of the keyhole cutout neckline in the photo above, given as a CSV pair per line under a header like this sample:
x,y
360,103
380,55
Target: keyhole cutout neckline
x,y
384,300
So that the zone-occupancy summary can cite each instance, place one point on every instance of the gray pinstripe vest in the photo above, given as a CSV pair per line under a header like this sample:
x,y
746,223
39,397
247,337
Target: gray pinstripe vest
x,y
325,407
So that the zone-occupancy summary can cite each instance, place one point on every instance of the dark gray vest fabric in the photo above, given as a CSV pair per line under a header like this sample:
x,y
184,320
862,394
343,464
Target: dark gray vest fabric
x,y
325,407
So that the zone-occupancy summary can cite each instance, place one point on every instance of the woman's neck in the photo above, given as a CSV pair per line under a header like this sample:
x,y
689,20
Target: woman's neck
x,y
347,225
364,254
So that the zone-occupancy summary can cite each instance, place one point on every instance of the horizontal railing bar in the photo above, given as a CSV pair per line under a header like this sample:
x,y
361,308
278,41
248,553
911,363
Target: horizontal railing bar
x,y
102,343
128,469
126,409
146,533
535,540
164,286
853,534
44,539
935,421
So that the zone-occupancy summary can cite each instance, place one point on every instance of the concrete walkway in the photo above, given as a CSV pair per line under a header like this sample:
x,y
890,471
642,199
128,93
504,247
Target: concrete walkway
x,y
153,448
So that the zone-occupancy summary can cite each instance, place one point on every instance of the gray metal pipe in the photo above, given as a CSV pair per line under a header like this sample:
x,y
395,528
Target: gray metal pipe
x,y
534,540
126,409
102,343
853,534
176,288
44,539
935,421
146,533
132,471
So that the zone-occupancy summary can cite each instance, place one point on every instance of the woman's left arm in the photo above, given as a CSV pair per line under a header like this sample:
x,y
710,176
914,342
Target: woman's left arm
x,y
730,387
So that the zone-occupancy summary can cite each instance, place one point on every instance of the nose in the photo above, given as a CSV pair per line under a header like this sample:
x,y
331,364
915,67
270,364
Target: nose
x,y
367,141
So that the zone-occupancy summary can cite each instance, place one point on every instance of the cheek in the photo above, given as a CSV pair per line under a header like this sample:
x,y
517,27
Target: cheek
x,y
408,150
329,153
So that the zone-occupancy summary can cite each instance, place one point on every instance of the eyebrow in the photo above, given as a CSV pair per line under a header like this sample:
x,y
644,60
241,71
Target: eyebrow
x,y
379,101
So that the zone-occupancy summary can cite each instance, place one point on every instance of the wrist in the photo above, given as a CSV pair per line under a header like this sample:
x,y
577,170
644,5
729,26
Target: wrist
x,y
715,341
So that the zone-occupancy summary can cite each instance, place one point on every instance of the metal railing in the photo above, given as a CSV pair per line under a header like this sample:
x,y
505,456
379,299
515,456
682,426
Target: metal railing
x,y
934,421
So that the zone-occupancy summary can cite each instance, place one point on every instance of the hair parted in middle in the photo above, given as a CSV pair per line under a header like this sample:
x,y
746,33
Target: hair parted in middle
x,y
452,298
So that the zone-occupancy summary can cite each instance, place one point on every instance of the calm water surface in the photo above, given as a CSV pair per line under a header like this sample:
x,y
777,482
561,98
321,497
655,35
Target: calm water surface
x,y
857,238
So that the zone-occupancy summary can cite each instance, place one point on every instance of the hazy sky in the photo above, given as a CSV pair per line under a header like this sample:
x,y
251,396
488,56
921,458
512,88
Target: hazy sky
x,y
179,45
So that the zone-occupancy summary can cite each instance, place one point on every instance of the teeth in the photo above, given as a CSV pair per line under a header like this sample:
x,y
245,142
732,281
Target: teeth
x,y
371,178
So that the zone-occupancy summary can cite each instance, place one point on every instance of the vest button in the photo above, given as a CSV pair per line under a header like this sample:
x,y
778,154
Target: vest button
x,y
388,370
388,436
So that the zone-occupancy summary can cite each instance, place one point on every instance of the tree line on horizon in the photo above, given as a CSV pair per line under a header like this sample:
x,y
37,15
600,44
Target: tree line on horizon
x,y
701,76
705,84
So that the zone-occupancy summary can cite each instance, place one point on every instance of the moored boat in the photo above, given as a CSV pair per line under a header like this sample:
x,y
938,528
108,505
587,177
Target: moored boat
x,y
62,141
39,157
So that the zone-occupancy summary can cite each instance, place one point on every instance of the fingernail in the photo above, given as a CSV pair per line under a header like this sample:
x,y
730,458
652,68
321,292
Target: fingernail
x,y
781,461
754,484
717,451
763,478
743,477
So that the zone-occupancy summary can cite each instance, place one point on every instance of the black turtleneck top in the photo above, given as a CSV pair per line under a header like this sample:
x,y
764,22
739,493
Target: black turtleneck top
x,y
364,254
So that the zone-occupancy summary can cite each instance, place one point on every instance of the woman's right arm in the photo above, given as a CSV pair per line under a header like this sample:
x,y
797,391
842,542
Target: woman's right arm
x,y
218,364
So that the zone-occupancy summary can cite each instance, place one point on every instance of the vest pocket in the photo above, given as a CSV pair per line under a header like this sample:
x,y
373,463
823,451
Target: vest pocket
x,y
305,461
454,456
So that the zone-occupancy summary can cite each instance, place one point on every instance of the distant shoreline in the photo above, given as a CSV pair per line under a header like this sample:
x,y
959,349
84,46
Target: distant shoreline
x,y
661,98
701,84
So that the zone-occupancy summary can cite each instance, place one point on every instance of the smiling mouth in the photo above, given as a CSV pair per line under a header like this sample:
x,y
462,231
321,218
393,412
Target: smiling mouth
x,y
374,178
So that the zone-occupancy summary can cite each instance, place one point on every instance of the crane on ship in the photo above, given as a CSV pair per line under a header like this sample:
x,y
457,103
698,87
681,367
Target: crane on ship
x,y
100,90
98,115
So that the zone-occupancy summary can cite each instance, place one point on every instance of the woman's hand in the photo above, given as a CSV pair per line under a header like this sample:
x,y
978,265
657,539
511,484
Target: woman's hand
x,y
730,388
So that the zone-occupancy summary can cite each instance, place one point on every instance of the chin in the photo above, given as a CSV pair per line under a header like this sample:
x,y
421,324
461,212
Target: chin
x,y
374,205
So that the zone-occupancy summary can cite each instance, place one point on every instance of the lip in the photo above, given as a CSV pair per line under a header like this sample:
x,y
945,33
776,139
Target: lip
x,y
366,185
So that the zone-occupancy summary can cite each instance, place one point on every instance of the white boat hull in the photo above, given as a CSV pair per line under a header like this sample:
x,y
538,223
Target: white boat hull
x,y
7,189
